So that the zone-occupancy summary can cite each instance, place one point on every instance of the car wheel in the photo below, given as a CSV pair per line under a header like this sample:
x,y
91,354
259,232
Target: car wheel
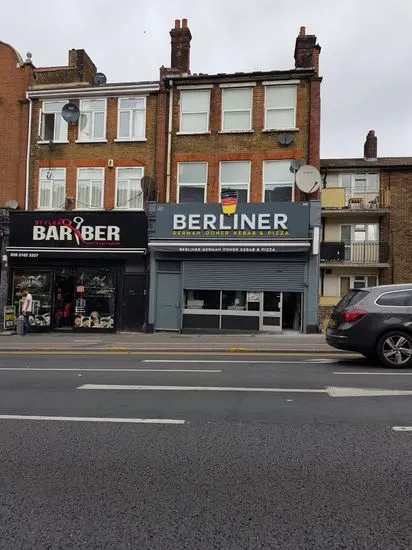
x,y
395,350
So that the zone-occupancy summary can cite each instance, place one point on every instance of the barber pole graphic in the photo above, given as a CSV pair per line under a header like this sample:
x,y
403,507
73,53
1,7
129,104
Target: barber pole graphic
x,y
229,202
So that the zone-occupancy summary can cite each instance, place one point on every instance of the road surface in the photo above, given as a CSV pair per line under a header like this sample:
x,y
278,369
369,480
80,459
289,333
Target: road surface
x,y
225,452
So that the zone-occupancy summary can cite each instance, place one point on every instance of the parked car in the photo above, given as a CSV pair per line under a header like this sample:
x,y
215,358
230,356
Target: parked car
x,y
376,322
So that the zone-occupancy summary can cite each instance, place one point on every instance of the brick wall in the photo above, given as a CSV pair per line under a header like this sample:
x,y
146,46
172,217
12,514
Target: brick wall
x,y
15,78
77,155
256,146
398,227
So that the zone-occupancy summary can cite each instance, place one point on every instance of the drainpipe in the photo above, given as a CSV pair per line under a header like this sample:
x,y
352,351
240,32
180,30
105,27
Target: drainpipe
x,y
26,191
169,142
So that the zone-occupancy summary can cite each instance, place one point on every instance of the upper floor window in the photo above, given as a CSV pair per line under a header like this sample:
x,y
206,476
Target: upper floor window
x,y
129,193
90,183
194,111
52,125
278,181
237,109
235,177
131,123
280,107
92,123
192,181
52,188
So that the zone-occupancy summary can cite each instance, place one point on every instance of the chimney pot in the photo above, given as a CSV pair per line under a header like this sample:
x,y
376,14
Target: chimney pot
x,y
302,31
177,23
184,23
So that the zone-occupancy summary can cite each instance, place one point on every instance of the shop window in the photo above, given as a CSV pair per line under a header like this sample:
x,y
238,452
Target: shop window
x,y
202,299
90,188
235,177
95,299
131,119
278,181
280,107
129,194
39,286
234,300
237,109
192,179
52,188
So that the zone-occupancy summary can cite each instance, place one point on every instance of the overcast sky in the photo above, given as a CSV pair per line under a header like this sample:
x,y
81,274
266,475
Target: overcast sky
x,y
366,59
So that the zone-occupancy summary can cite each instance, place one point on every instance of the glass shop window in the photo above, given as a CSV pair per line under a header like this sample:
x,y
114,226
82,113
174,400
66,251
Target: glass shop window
x,y
95,299
38,285
202,299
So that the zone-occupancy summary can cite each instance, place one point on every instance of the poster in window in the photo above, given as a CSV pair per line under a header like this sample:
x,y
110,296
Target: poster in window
x,y
38,285
95,303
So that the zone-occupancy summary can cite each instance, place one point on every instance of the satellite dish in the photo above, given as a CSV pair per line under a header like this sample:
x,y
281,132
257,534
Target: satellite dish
x,y
70,113
12,204
99,79
285,138
148,188
295,165
308,179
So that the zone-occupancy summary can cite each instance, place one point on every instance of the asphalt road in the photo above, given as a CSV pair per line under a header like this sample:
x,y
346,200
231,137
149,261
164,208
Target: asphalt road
x,y
286,463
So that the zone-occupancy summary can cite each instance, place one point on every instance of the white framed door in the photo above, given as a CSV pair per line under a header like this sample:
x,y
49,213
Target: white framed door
x,y
271,311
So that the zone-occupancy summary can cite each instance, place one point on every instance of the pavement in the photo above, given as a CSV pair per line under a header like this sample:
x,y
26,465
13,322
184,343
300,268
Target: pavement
x,y
168,341
166,451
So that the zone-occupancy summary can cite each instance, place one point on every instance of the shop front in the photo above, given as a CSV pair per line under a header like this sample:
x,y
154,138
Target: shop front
x,y
84,270
256,269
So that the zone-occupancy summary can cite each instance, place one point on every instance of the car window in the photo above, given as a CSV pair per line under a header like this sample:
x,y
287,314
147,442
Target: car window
x,y
395,298
351,298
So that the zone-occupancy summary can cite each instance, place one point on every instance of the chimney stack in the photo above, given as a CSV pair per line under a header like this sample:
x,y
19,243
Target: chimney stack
x,y
306,51
370,149
180,41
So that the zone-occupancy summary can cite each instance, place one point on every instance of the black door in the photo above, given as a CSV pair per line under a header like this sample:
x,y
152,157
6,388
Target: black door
x,y
134,301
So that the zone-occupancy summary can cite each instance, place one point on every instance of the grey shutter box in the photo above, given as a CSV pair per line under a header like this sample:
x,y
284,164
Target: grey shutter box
x,y
244,275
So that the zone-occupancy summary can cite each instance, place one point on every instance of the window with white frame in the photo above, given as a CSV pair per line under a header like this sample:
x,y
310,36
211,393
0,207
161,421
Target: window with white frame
x,y
52,188
357,281
235,177
278,181
90,183
52,125
194,111
92,122
192,181
129,193
131,118
280,107
237,109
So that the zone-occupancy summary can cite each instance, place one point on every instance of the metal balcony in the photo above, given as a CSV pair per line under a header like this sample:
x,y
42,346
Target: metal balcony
x,y
340,199
365,253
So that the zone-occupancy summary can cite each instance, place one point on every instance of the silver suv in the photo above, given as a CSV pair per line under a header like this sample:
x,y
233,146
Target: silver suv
x,y
376,322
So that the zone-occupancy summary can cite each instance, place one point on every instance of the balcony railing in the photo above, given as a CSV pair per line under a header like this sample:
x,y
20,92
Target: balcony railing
x,y
348,199
366,252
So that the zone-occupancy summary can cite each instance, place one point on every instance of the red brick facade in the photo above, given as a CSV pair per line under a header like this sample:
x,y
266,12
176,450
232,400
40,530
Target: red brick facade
x,y
15,78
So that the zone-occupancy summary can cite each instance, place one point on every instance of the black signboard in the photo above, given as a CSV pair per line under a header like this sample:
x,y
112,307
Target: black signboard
x,y
34,233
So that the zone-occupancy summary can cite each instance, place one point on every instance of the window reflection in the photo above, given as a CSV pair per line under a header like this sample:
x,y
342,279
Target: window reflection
x,y
202,299
234,299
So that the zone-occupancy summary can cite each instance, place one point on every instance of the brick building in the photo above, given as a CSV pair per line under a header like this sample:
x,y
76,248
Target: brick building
x,y
366,223
233,137
80,245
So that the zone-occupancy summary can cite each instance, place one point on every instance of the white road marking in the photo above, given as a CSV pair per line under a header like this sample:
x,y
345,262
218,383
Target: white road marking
x,y
364,392
29,369
235,361
332,391
195,388
383,373
402,428
93,419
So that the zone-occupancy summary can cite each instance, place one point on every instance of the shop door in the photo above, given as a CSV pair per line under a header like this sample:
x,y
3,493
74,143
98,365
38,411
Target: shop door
x,y
271,312
168,315
134,302
63,299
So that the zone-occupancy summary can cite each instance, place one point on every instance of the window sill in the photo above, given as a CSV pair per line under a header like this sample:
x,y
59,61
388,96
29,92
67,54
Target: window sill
x,y
122,209
280,130
91,141
128,140
88,209
236,131
51,209
193,133
44,142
